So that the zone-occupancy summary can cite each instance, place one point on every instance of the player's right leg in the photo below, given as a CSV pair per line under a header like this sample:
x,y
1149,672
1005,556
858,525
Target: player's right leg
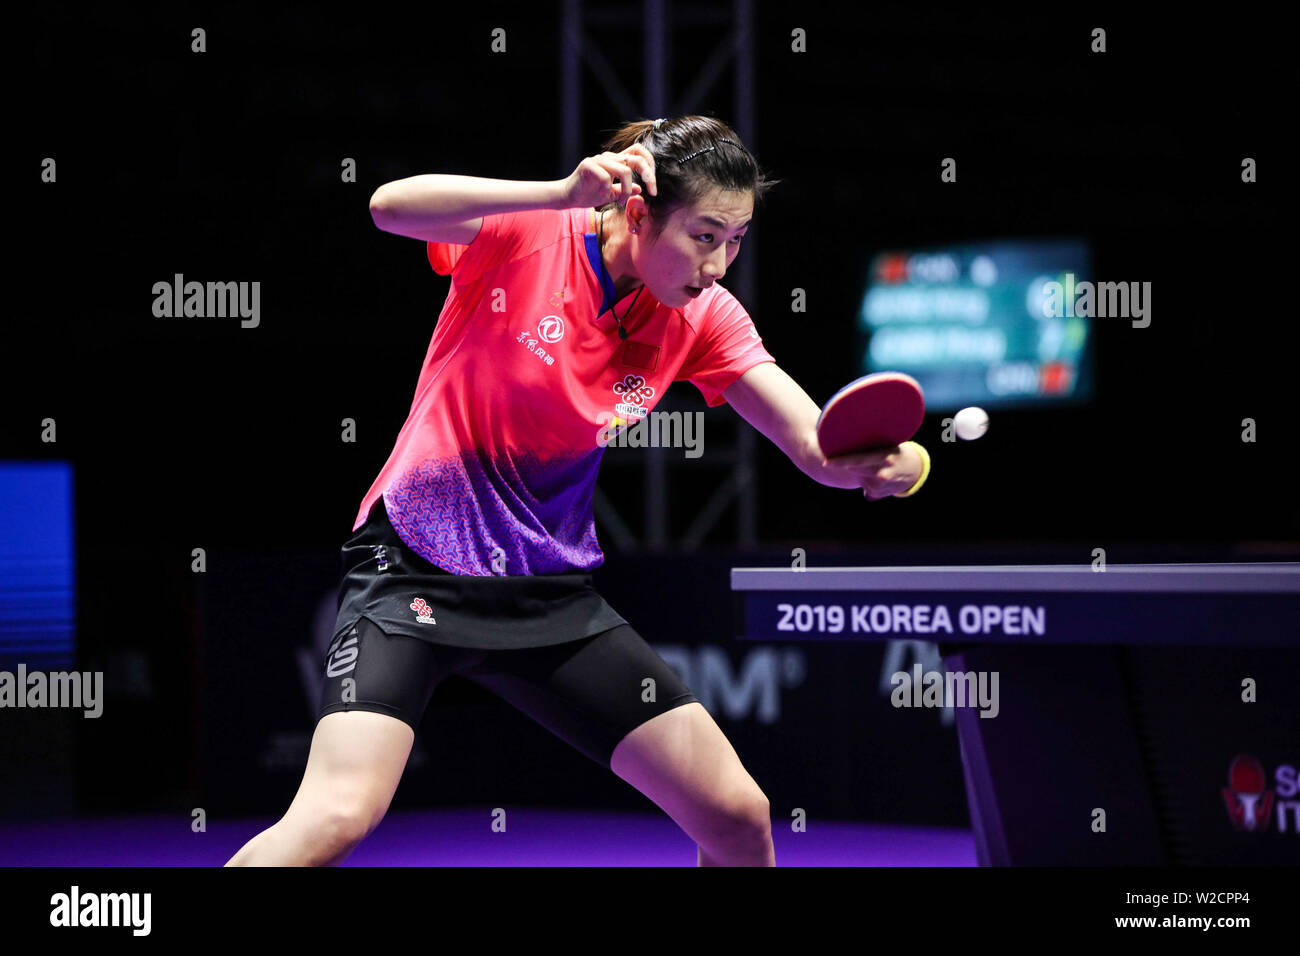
x,y
356,761
376,689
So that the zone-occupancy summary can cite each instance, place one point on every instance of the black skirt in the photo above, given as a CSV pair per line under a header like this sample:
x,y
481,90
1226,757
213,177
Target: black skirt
x,y
402,593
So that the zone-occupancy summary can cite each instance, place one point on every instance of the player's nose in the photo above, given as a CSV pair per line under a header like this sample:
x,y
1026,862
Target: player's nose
x,y
715,267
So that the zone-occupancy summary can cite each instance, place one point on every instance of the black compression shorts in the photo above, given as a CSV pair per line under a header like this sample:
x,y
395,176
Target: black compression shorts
x,y
590,693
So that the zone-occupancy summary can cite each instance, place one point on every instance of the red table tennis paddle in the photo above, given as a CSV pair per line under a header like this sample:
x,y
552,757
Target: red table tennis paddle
x,y
877,410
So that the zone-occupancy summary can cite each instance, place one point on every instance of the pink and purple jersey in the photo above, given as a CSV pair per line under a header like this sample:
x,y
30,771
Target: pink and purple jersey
x,y
494,470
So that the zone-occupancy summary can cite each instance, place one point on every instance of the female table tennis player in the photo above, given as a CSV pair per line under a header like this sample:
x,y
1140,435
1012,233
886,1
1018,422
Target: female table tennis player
x,y
573,305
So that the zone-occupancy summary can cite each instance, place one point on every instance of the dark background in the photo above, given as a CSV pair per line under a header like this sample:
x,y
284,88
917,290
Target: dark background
x,y
197,433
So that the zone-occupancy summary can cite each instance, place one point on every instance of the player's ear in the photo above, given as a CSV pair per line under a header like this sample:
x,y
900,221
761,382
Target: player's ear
x,y
638,216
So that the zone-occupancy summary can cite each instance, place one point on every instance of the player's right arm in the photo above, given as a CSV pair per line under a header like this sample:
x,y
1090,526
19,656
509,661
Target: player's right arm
x,y
775,404
443,208
438,207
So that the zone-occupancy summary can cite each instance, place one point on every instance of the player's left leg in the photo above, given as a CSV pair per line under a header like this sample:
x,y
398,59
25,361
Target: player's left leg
x,y
592,693
684,763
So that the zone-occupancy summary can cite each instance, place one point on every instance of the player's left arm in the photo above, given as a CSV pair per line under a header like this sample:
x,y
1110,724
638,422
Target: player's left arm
x,y
771,401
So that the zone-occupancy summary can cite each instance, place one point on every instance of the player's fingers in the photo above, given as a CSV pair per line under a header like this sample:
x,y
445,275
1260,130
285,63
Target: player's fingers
x,y
891,484
625,186
613,163
616,165
597,168
864,459
878,491
638,156
645,165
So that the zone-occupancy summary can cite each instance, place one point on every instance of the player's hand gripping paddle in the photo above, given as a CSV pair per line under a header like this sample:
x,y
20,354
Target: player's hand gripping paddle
x,y
877,410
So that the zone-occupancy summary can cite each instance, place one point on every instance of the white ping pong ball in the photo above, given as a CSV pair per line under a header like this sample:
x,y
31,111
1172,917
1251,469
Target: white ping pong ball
x,y
971,423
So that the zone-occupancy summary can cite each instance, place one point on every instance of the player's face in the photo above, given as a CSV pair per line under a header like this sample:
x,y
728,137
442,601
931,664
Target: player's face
x,y
694,246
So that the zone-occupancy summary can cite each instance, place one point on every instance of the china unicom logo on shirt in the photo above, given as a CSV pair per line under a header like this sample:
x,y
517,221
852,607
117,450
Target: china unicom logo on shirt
x,y
633,388
635,393
423,613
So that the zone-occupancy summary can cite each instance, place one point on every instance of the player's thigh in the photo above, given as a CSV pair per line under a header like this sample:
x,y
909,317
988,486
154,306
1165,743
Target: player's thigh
x,y
590,692
376,689
356,762
683,762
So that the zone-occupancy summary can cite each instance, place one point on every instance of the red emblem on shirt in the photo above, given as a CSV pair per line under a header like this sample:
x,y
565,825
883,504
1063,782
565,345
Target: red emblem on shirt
x,y
641,355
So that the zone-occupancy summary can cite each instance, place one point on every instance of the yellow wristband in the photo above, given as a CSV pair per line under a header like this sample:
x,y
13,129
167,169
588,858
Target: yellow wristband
x,y
925,470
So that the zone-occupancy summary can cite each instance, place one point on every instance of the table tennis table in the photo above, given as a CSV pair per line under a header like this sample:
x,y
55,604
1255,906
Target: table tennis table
x,y
1067,738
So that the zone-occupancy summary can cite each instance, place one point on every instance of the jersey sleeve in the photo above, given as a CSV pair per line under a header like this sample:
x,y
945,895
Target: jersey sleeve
x,y
502,238
727,347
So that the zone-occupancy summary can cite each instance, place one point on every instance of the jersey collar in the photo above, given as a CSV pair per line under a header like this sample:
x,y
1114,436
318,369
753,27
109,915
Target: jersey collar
x,y
598,267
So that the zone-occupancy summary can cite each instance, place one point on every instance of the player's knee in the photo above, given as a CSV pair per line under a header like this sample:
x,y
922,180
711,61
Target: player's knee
x,y
342,828
758,815
743,818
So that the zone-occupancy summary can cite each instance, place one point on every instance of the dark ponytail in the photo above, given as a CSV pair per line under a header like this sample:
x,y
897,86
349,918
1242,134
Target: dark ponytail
x,y
694,155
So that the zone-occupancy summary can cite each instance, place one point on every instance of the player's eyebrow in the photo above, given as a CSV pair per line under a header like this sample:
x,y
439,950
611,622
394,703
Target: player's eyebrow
x,y
720,224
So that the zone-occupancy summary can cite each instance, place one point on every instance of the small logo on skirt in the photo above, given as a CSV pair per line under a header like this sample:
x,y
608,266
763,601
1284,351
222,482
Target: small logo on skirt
x,y
423,613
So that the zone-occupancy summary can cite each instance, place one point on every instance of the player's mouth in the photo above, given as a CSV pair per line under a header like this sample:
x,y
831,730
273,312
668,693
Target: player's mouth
x,y
692,291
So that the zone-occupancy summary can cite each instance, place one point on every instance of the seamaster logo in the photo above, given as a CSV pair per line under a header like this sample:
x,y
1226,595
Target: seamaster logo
x,y
1247,797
